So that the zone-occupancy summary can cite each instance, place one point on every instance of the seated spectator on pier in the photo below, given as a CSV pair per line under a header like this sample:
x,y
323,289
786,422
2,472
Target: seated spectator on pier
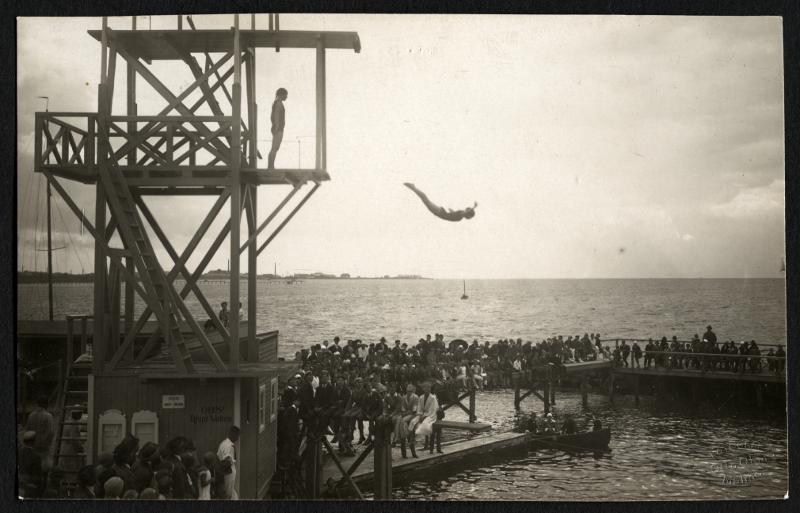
x,y
422,423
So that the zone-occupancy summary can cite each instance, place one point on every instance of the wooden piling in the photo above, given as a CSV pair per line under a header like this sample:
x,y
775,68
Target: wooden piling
x,y
584,394
383,458
313,465
636,385
472,417
611,387
546,396
516,396
759,394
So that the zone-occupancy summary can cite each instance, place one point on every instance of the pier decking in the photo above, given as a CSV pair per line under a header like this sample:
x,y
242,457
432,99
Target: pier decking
x,y
453,451
759,377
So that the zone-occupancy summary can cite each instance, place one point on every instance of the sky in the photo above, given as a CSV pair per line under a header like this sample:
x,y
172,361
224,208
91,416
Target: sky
x,y
595,146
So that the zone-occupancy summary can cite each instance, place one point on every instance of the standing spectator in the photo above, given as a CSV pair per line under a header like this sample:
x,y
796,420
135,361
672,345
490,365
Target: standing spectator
x,y
31,475
86,482
637,354
41,421
226,453
223,314
124,457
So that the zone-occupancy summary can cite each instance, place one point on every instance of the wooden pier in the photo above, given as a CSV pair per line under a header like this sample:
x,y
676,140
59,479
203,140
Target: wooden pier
x,y
453,451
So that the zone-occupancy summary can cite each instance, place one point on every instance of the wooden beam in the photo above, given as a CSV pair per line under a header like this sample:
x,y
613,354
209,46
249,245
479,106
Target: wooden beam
x,y
252,276
173,102
236,186
252,237
99,340
195,276
288,218
320,96
162,237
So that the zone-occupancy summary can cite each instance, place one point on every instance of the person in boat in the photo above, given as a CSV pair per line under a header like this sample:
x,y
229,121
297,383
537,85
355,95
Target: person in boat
x,y
532,426
441,212
569,427
550,424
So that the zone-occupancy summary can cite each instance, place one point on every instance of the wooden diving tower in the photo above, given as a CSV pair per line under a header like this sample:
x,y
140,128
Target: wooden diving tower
x,y
202,141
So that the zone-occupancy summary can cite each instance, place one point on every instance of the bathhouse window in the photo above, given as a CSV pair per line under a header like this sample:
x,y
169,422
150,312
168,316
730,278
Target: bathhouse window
x,y
273,401
262,408
144,426
111,430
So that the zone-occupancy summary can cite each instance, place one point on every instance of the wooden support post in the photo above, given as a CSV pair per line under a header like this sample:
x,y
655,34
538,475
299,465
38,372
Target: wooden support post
x,y
636,384
472,417
321,163
517,400
70,341
694,391
759,394
546,396
236,196
129,300
383,458
584,394
84,336
552,386
313,464
252,278
611,387
98,336
114,288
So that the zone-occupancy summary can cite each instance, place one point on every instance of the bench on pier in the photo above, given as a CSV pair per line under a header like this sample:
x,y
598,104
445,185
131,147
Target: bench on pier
x,y
474,427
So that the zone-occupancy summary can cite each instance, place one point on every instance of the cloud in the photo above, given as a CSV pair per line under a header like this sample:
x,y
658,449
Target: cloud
x,y
754,202
687,237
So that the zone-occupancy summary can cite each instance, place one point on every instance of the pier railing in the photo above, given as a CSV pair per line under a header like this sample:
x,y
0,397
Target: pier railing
x,y
707,362
658,341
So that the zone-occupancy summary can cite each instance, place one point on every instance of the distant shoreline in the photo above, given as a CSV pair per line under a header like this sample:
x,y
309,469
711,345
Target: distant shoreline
x,y
28,277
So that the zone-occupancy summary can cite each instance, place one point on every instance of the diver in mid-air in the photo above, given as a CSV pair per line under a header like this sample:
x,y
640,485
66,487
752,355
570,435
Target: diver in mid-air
x,y
444,213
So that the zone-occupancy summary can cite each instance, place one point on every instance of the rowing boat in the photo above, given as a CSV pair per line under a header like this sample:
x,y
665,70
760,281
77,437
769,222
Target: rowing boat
x,y
586,441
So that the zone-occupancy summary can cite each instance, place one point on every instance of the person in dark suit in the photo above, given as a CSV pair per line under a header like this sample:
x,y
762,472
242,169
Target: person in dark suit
x,y
341,396
288,435
324,401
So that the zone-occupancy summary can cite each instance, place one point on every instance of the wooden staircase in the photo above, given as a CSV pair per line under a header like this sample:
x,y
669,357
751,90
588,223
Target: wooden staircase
x,y
158,292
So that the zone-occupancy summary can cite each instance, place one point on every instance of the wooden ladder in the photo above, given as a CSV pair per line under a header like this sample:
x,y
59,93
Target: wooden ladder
x,y
152,276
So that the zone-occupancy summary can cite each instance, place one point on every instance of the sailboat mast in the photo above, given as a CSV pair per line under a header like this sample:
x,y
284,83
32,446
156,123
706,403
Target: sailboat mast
x,y
49,256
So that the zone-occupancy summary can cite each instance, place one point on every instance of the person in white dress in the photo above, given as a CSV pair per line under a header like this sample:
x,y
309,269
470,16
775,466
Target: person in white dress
x,y
422,423
226,454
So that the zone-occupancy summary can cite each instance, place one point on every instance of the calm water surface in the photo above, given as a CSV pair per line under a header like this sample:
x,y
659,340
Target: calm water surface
x,y
658,451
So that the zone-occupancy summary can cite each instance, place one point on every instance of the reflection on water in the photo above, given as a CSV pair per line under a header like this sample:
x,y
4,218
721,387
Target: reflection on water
x,y
658,452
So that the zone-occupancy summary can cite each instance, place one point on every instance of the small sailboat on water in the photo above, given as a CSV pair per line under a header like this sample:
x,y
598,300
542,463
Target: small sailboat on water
x,y
464,295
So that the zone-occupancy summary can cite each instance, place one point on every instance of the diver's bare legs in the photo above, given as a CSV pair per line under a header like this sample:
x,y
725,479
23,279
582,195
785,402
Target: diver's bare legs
x,y
428,203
